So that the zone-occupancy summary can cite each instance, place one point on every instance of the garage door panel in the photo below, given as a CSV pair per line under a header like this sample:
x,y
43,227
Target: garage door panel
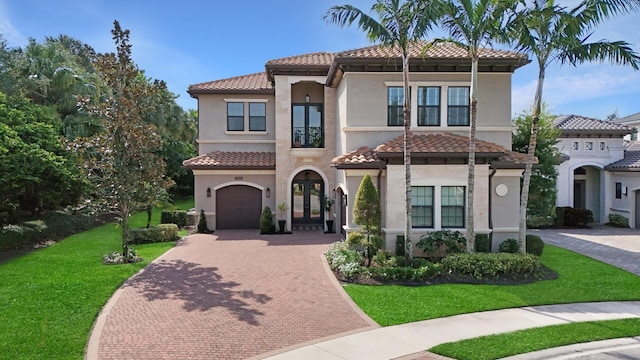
x,y
238,207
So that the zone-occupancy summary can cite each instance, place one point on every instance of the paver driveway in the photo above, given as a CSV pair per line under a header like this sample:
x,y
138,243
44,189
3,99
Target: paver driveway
x,y
232,295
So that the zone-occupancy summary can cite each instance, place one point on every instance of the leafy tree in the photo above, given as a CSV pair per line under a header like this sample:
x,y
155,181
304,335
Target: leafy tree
x,y
367,214
123,162
552,33
542,191
472,25
401,24
37,173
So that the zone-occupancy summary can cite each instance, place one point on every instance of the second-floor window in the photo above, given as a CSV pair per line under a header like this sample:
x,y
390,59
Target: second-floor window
x,y
395,101
307,126
257,117
428,106
458,106
235,116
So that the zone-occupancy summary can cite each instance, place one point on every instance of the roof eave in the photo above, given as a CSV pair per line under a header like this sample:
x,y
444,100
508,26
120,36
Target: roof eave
x,y
194,93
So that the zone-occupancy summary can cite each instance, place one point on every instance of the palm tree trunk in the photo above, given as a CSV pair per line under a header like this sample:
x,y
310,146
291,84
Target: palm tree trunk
x,y
471,236
408,247
526,180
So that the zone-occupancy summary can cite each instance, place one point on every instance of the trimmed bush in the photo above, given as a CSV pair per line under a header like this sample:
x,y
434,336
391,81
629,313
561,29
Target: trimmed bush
x,y
618,220
439,244
153,234
178,217
400,245
491,265
368,244
577,217
266,222
535,245
421,273
483,243
559,219
203,228
511,246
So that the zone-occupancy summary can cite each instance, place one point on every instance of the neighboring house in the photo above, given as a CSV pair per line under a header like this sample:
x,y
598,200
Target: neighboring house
x,y
598,169
315,124
632,121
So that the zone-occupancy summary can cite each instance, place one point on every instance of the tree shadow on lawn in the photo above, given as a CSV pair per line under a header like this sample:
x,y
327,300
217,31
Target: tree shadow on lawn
x,y
201,288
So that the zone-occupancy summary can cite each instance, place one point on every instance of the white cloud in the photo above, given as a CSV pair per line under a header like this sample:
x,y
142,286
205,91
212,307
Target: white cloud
x,y
10,32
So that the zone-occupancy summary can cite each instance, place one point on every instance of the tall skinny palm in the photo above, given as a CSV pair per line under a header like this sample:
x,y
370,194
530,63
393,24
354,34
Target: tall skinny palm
x,y
400,24
551,33
473,25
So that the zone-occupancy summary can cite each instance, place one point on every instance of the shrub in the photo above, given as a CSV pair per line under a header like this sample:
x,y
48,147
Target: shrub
x,y
368,244
178,217
266,222
482,265
381,259
117,258
153,234
13,237
439,244
511,246
577,217
618,220
559,219
421,273
344,260
483,243
202,223
400,249
535,245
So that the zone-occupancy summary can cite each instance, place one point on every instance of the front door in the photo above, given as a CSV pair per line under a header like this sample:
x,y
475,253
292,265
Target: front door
x,y
579,194
306,201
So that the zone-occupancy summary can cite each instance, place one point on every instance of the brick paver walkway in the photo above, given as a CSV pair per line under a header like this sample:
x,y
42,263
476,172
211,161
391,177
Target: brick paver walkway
x,y
618,247
232,295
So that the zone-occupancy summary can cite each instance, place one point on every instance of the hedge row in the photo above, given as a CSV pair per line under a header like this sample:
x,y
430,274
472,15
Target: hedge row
x,y
178,217
153,234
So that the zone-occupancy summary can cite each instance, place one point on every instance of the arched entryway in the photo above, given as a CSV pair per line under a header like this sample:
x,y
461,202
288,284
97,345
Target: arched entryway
x,y
307,188
587,193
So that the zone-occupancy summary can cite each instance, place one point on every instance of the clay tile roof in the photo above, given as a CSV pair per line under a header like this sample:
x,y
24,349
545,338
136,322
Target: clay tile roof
x,y
581,124
317,58
362,156
232,160
445,143
438,51
242,84
631,160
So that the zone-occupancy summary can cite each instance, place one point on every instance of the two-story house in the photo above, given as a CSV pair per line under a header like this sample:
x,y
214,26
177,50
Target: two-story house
x,y
315,124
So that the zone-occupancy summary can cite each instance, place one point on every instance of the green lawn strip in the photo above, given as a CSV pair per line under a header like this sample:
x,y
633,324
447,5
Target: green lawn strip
x,y
51,297
581,279
524,341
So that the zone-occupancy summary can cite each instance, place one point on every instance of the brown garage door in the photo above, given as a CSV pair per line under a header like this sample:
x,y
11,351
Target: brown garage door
x,y
238,207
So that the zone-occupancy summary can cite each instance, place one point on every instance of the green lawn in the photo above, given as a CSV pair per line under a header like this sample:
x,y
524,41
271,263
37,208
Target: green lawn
x,y
581,280
520,342
50,298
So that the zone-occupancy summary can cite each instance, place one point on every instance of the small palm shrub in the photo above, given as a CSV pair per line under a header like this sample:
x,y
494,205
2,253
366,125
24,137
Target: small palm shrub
x,y
267,225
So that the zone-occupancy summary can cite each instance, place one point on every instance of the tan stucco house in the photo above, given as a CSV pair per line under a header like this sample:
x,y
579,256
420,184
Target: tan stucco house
x,y
315,124
599,169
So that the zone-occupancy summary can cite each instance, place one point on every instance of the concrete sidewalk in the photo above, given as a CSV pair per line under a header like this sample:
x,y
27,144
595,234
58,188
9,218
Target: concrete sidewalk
x,y
414,338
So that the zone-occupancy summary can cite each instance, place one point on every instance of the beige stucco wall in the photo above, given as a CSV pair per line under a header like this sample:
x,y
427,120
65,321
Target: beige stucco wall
x,y
505,209
213,134
363,106
626,206
215,179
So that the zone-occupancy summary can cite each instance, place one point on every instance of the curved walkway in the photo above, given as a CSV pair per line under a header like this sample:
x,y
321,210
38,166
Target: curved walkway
x,y
232,295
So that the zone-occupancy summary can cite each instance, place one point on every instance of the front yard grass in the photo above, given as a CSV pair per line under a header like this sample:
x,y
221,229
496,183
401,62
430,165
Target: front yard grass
x,y
51,297
524,341
581,279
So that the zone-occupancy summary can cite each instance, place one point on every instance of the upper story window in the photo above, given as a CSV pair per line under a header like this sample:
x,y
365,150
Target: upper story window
x,y
257,117
603,145
588,145
428,106
575,145
422,206
458,106
395,101
307,128
235,116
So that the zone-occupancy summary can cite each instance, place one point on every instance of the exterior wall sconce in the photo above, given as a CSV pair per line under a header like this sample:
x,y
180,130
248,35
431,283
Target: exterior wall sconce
x,y
306,98
625,191
268,192
208,192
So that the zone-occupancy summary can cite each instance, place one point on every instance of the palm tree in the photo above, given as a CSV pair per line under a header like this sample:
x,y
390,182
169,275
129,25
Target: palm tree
x,y
401,24
551,33
473,25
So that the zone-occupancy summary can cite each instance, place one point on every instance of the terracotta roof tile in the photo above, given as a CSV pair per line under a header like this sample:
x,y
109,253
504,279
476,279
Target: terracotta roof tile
x,y
439,143
438,51
631,160
363,155
576,123
232,159
245,83
316,58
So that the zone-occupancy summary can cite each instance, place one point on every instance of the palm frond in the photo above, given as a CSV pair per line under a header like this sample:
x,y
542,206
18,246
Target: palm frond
x,y
617,52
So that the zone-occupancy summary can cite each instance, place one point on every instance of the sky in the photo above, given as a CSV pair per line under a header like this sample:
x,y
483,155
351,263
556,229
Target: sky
x,y
194,41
